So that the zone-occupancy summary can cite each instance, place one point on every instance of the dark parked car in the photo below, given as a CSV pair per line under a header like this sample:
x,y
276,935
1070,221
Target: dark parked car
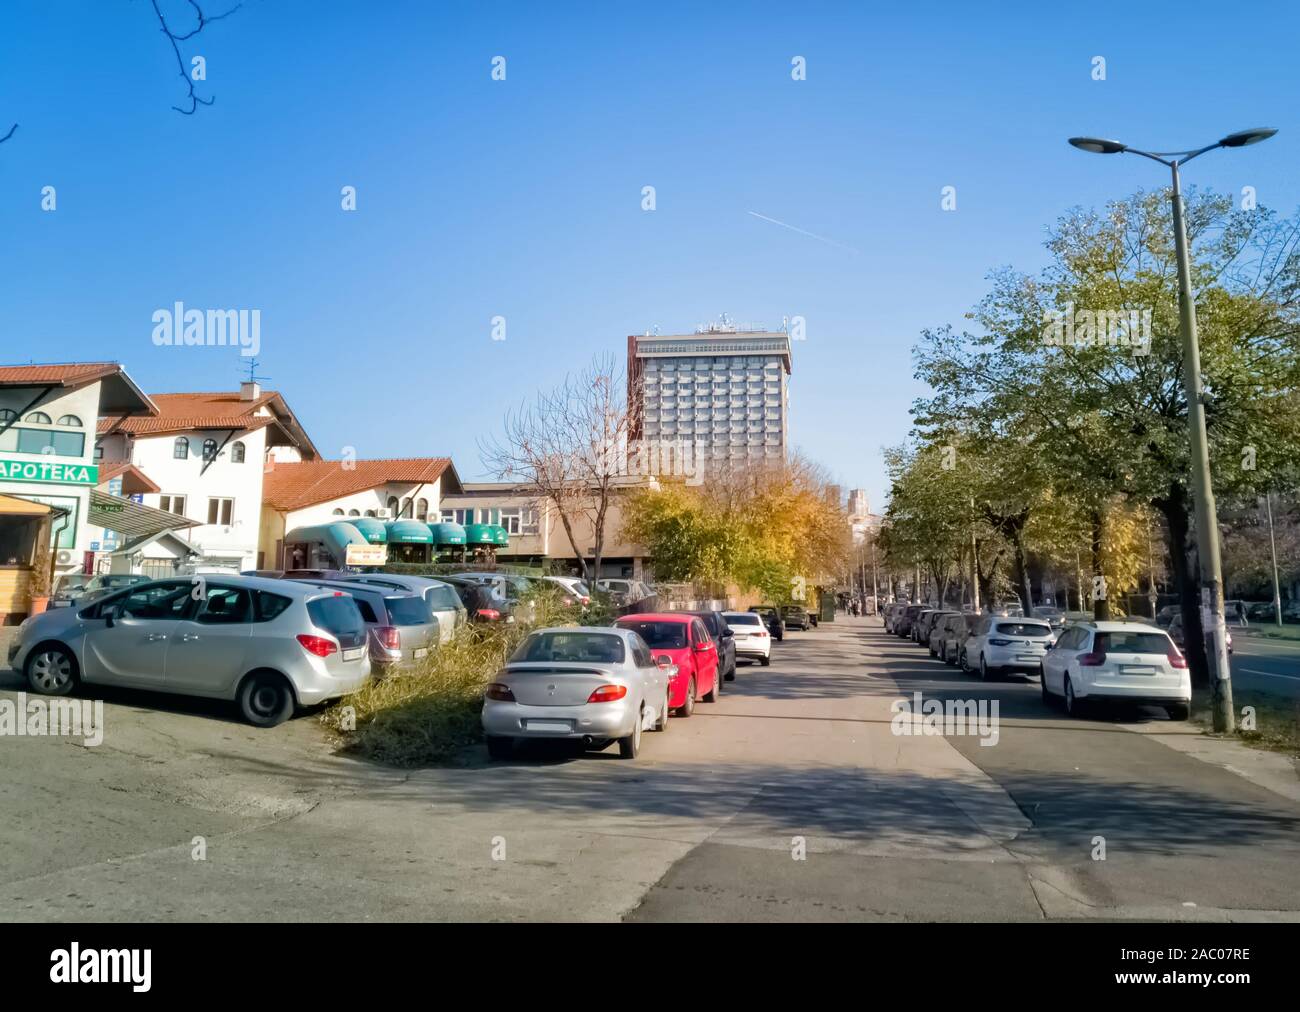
x,y
484,602
1176,633
903,621
772,616
724,638
795,617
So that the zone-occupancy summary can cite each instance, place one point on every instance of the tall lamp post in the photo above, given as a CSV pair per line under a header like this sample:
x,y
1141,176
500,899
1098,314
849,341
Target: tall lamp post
x,y
1207,530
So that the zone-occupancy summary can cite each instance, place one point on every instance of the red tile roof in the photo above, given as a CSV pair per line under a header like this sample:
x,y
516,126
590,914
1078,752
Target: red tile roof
x,y
294,486
110,469
58,373
179,412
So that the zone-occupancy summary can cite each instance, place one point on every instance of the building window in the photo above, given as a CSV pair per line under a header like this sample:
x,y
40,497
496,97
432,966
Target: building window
x,y
172,504
354,513
8,415
72,421
338,513
392,505
43,441
528,521
181,448
448,517
510,519
209,450
237,453
220,510
39,418
99,452
422,510
406,508
370,513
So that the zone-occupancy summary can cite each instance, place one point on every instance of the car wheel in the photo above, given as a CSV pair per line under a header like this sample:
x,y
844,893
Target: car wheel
x,y
630,747
52,670
265,699
961,660
1072,705
688,707
1181,711
984,670
731,675
662,723
499,748
716,691
765,661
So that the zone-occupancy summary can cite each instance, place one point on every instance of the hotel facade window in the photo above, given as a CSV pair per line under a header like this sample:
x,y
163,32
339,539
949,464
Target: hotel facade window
x,y
237,451
181,448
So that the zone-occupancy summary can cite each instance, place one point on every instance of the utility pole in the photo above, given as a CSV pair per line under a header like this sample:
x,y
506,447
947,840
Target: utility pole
x,y
1272,547
1213,626
1151,571
974,559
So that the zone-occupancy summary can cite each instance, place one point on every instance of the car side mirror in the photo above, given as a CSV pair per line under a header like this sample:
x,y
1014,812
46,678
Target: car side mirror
x,y
727,634
702,646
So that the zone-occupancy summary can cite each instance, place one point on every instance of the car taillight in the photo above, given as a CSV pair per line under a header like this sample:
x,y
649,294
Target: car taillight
x,y
761,634
502,693
1177,660
491,614
318,645
389,637
607,694
1000,643
1092,660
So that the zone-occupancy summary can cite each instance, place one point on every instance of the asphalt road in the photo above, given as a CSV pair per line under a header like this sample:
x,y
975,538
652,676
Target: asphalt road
x,y
1266,665
790,799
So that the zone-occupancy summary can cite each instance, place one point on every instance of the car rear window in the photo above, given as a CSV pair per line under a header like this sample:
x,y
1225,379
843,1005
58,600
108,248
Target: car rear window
x,y
1132,643
443,599
592,648
1024,629
408,610
337,614
659,635
747,619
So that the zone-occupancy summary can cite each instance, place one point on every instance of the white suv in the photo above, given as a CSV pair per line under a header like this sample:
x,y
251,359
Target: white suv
x,y
1117,662
1006,643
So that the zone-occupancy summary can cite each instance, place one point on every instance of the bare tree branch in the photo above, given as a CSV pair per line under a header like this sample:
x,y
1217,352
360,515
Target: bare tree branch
x,y
175,39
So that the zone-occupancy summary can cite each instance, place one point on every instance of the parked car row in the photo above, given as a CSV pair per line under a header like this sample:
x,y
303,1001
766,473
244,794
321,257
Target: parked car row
x,y
599,685
1078,663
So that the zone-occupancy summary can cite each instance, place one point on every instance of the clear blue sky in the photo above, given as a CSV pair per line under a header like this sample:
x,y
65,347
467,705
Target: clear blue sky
x,y
522,198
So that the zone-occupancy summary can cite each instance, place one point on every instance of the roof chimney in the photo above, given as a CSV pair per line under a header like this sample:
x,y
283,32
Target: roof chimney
x,y
249,391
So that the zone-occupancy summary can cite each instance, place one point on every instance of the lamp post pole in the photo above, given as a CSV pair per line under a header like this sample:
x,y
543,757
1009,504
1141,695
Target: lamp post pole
x,y
1213,626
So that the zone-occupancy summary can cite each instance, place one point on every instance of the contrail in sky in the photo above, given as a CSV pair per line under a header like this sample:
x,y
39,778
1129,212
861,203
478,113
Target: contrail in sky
x,y
811,235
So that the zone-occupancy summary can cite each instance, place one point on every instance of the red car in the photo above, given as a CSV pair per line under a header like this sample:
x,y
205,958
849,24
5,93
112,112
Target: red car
x,y
684,639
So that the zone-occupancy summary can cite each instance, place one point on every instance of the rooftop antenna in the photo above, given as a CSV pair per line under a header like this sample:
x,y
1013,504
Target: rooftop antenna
x,y
252,373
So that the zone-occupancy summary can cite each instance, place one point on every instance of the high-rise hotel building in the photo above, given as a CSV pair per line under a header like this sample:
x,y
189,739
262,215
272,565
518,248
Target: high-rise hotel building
x,y
723,390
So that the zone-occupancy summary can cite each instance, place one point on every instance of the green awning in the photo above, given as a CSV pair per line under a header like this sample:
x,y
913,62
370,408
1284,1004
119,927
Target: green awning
x,y
499,535
371,529
479,534
336,537
447,534
408,532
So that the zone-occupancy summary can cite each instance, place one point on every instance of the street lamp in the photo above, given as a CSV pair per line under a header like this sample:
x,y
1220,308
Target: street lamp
x,y
1207,528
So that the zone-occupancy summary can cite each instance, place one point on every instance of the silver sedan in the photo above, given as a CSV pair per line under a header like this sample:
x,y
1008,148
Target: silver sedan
x,y
589,684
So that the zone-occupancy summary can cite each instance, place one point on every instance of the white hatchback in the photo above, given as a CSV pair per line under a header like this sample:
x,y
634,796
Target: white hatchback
x,y
1117,662
751,636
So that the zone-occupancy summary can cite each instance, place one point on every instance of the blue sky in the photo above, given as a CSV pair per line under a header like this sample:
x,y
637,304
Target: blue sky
x,y
522,198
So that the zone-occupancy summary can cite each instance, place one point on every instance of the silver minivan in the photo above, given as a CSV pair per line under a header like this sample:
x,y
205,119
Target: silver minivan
x,y
269,645
402,627
442,597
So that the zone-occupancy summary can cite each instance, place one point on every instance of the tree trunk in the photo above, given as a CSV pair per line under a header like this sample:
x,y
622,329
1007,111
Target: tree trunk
x,y
1023,587
1101,595
1174,508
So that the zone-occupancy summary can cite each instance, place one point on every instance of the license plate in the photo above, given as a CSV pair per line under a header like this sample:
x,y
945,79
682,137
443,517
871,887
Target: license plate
x,y
421,653
562,726
352,655
1031,657
1136,669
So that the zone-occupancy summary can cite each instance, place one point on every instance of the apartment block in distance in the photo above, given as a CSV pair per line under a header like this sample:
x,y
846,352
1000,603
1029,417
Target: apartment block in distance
x,y
723,389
